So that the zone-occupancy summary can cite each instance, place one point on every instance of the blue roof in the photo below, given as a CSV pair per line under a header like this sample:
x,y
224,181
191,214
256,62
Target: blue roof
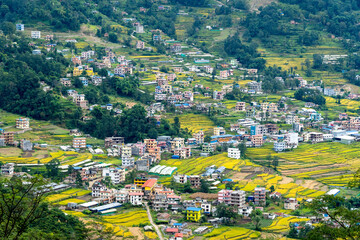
x,y
77,168
227,180
177,224
193,209
220,136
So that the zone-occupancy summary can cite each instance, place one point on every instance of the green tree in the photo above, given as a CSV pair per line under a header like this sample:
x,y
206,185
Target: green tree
x,y
20,205
8,28
113,37
343,222
228,212
205,187
256,217
78,180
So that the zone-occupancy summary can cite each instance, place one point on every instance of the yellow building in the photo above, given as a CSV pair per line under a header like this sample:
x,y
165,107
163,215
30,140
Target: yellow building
x,y
90,72
193,214
139,181
77,71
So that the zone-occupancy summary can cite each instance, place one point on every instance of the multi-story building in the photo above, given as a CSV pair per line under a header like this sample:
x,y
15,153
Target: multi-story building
x,y
290,203
7,169
148,187
184,152
8,138
96,188
207,148
240,106
126,151
35,34
279,146
112,141
150,143
219,131
257,140
199,136
260,196
224,196
195,181
26,145
315,137
128,162
155,152
254,87
138,149
22,123
20,27
121,196
65,82
136,198
117,175
237,198
272,128
79,142
193,214
234,153
292,119
180,178
177,143
139,28
142,165
206,207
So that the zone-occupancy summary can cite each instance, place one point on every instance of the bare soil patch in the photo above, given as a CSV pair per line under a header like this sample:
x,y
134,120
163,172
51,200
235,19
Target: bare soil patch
x,y
137,233
204,195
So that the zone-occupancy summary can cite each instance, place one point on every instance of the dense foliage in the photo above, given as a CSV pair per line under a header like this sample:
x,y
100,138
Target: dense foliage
x,y
62,15
21,73
310,95
246,55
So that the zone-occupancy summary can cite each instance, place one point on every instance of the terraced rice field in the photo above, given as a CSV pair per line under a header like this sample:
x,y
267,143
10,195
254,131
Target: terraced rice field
x,y
316,161
70,193
232,233
196,122
194,166
344,104
281,224
288,190
129,219
71,200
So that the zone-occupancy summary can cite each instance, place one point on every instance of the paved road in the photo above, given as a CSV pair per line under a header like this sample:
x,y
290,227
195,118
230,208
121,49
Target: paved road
x,y
152,222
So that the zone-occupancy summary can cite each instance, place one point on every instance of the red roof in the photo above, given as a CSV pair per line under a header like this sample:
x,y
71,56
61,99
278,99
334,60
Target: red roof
x,y
172,230
179,235
150,183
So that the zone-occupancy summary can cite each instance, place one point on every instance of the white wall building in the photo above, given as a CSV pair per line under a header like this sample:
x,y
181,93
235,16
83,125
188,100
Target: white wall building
x,y
234,153
117,175
35,34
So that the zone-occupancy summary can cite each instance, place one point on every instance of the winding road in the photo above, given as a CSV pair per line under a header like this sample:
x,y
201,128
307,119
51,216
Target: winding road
x,y
158,232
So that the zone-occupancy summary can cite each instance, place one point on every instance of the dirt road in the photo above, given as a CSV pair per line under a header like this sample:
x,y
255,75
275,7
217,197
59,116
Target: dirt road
x,y
158,232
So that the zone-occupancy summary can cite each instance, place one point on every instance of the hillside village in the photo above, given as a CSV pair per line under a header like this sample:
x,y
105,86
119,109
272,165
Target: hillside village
x,y
182,131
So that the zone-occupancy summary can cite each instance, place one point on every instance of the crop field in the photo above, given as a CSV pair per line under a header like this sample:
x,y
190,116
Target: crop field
x,y
70,200
288,190
151,235
65,195
232,233
194,166
344,104
128,219
76,192
196,122
57,197
319,161
281,224
75,213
